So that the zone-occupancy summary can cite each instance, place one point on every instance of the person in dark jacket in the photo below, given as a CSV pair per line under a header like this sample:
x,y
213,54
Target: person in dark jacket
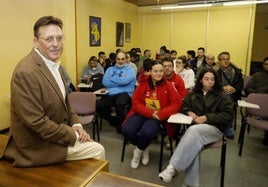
x,y
211,109
232,83
258,83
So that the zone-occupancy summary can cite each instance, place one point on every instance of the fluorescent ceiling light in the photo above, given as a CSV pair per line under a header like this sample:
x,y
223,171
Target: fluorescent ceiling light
x,y
186,6
234,3
210,4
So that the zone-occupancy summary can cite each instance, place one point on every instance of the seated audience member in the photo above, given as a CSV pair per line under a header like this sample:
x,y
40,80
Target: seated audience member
x,y
44,129
167,54
135,59
120,82
145,71
153,101
210,109
93,68
173,56
174,78
131,64
258,83
67,80
209,63
146,54
110,61
232,83
190,57
185,72
102,58
161,54
199,59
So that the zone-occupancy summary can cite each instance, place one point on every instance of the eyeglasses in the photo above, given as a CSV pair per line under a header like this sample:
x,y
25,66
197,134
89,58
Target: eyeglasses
x,y
168,66
50,39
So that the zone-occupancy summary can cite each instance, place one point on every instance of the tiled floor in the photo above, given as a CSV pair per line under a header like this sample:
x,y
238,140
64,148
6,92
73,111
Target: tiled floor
x,y
250,170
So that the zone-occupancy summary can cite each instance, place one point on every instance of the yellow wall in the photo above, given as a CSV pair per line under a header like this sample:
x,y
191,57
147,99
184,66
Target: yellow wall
x,y
217,29
17,19
110,12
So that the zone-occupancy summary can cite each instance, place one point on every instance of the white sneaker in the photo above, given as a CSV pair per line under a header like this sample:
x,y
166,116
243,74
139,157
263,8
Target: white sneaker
x,y
135,162
145,157
167,174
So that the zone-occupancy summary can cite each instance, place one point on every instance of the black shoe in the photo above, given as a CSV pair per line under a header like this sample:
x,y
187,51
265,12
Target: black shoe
x,y
118,129
230,136
265,141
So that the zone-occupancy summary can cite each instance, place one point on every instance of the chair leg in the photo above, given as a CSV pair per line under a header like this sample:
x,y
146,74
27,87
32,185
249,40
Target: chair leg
x,y
123,149
171,146
241,136
248,128
100,123
161,151
97,126
93,131
235,115
223,160
243,121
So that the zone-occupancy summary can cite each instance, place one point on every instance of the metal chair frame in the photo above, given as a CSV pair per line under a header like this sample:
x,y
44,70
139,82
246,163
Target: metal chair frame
x,y
162,144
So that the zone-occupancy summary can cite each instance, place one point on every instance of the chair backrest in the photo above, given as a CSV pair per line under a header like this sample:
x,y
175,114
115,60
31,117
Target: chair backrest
x,y
83,102
262,101
246,79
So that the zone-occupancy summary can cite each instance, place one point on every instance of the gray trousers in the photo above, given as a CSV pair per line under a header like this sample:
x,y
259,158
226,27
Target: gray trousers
x,y
187,154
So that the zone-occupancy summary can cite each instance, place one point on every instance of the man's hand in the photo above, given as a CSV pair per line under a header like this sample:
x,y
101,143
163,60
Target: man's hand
x,y
83,135
229,89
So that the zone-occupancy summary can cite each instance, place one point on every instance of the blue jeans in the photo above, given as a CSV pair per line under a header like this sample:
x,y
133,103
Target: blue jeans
x,y
187,154
140,131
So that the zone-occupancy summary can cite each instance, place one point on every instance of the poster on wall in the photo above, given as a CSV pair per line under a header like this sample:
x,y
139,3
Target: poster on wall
x,y
128,32
94,31
119,34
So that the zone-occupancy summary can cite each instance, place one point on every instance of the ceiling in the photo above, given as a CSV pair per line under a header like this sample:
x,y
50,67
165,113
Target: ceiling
x,y
164,2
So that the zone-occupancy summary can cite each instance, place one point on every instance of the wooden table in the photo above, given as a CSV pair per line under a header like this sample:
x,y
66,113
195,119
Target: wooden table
x,y
71,173
104,179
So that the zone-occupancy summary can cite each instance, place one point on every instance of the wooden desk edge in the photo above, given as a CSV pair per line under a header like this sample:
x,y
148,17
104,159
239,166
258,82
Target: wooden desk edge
x,y
126,178
105,168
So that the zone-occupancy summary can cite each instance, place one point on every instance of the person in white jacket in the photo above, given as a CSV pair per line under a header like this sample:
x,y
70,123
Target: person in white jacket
x,y
185,72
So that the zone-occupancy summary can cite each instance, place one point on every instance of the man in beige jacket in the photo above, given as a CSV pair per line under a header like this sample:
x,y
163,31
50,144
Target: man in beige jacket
x,y
44,129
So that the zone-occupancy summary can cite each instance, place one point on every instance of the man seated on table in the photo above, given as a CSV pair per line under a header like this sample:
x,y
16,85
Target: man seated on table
x,y
44,129
120,82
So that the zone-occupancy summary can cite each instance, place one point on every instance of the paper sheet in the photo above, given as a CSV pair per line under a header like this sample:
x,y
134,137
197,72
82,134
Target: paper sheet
x,y
180,118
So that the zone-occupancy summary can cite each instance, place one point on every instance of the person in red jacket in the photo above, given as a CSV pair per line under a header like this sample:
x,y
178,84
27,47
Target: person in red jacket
x,y
174,78
153,101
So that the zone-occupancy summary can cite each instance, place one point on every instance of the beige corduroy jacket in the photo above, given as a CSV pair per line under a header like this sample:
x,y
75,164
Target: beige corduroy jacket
x,y
41,120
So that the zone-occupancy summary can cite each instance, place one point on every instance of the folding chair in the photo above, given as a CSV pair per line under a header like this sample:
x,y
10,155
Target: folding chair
x,y
84,104
254,117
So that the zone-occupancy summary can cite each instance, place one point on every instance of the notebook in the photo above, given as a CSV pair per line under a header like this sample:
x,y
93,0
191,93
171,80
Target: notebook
x,y
180,118
243,103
